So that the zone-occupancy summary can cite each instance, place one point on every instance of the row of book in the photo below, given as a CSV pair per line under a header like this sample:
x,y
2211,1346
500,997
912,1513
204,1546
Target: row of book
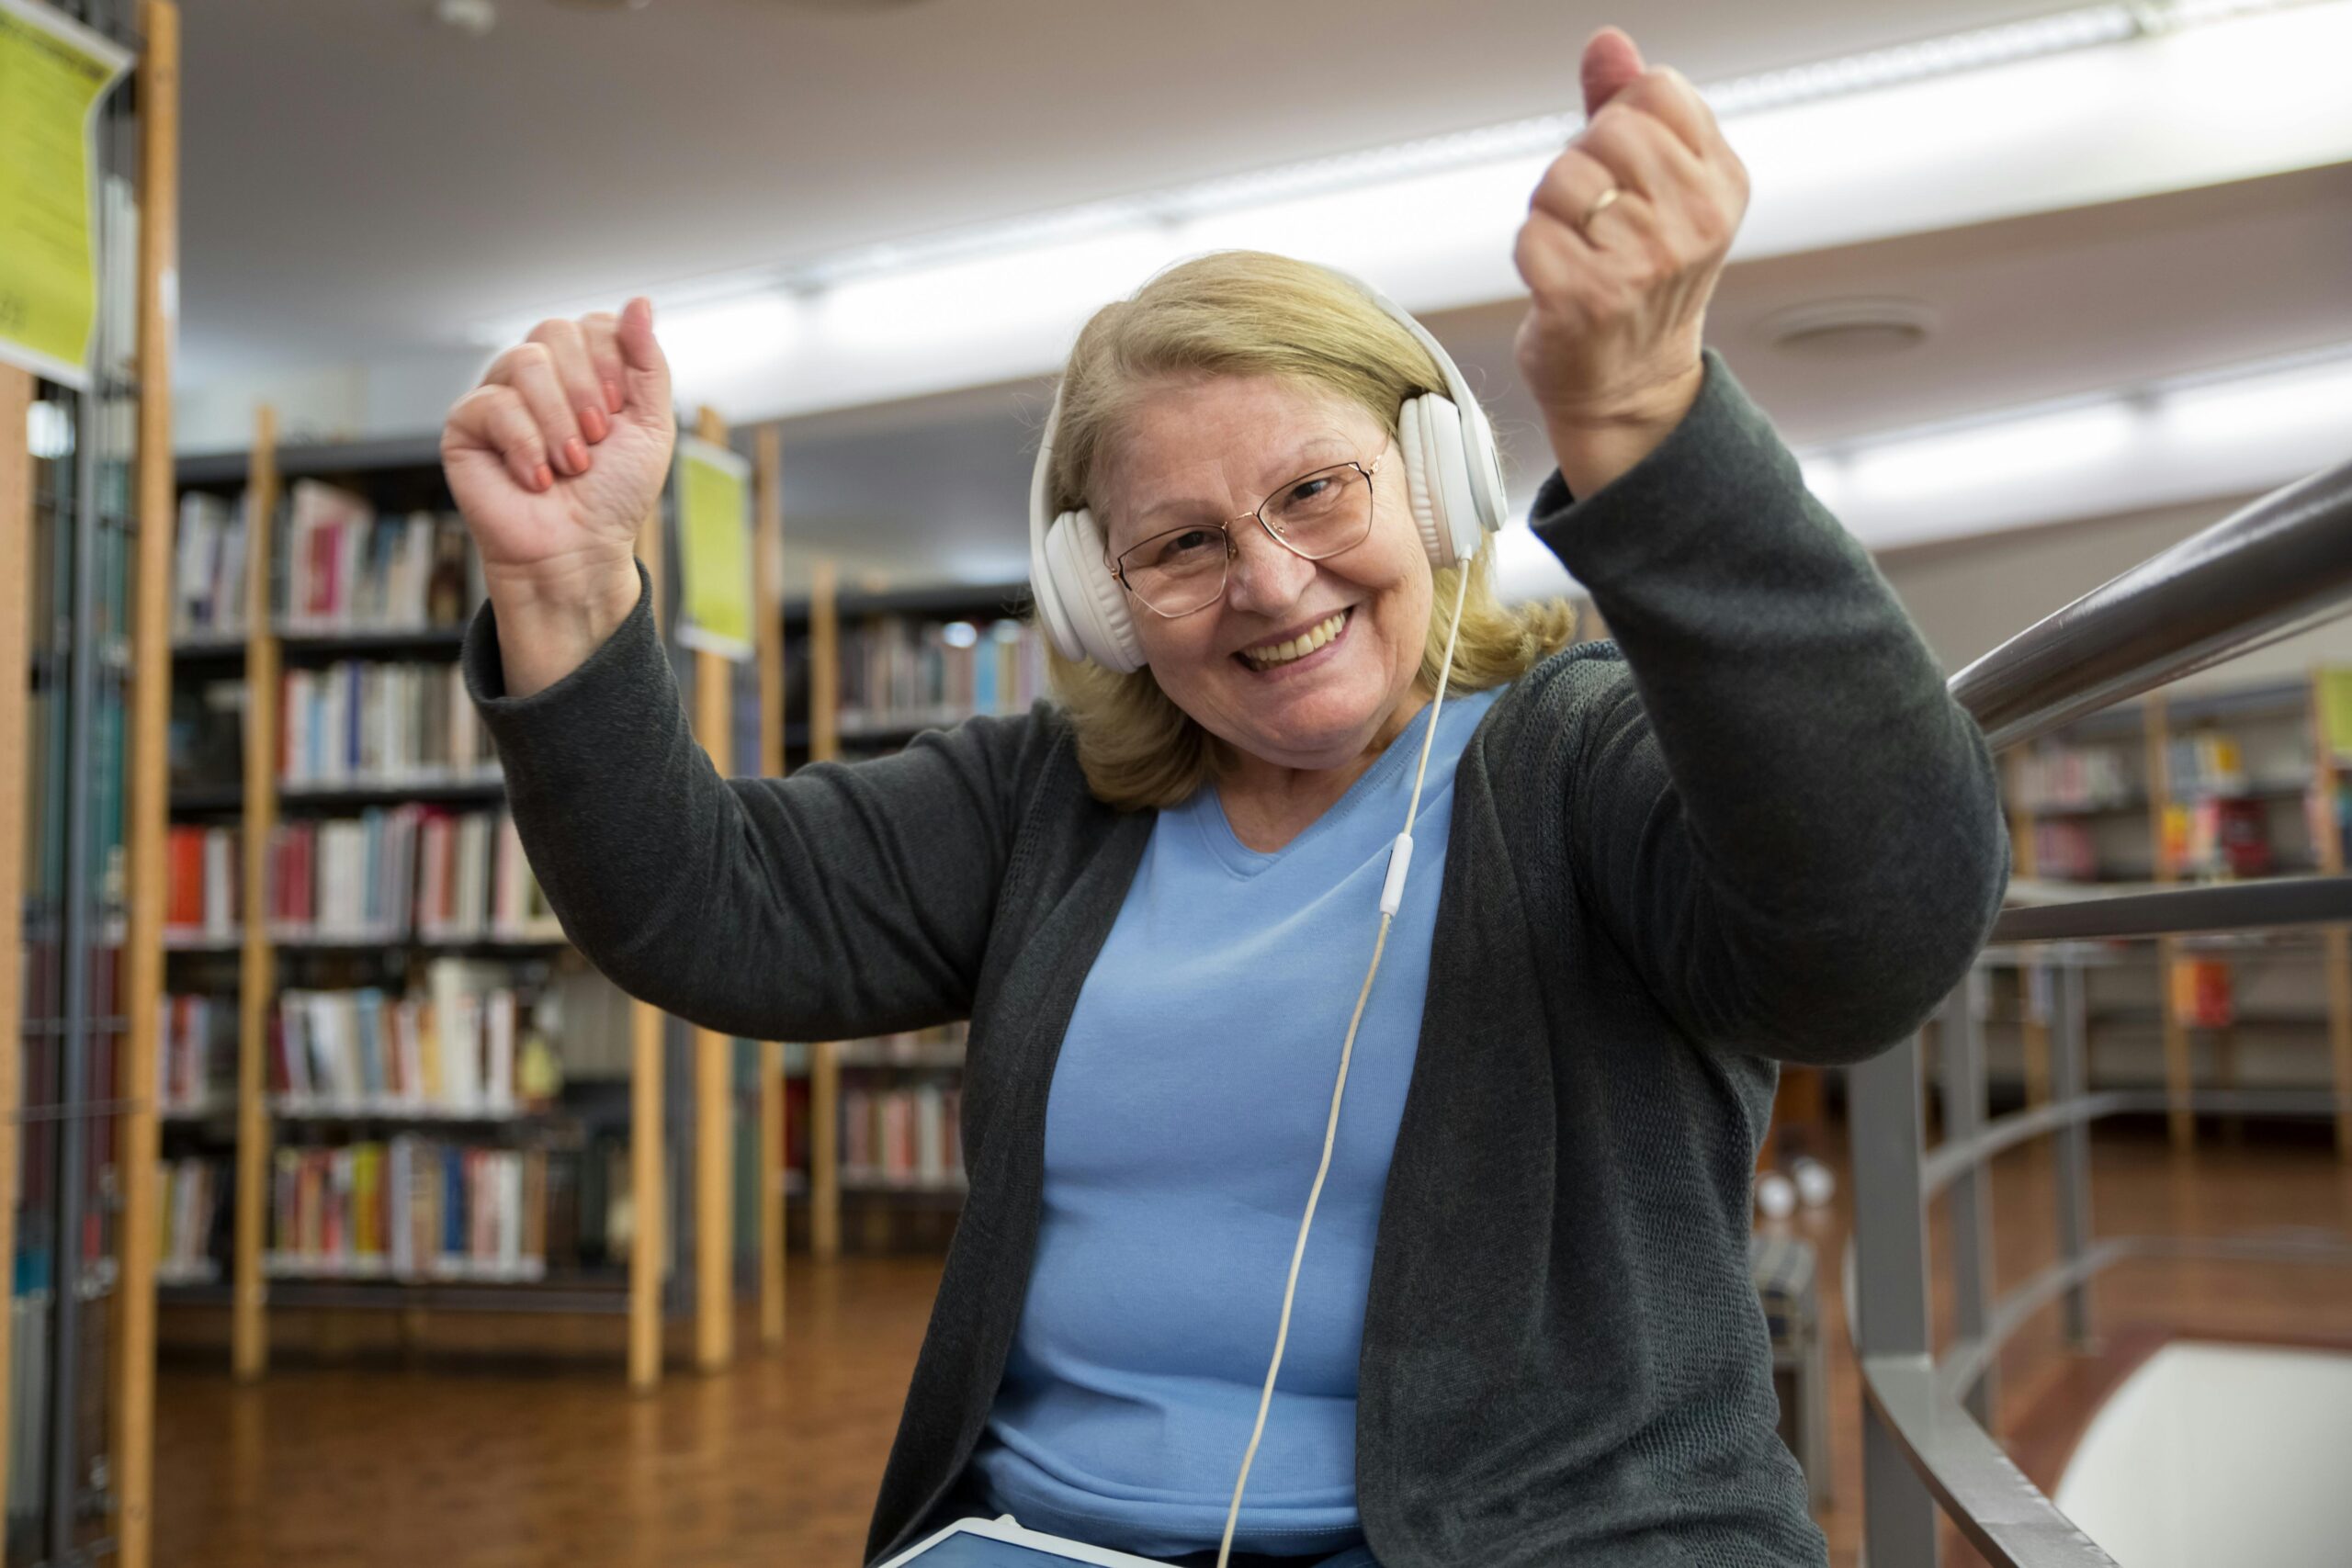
x,y
416,1207
905,1136
2219,835
360,722
208,568
2202,764
2060,778
2205,764
896,671
195,1052
456,1046
338,566
2216,837
942,1045
410,1207
190,1204
391,873
342,567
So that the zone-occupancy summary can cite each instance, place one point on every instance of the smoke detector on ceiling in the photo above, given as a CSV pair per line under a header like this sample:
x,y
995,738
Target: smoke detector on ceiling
x,y
1849,329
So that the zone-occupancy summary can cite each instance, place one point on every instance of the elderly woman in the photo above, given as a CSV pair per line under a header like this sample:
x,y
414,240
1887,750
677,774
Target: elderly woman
x,y
1752,827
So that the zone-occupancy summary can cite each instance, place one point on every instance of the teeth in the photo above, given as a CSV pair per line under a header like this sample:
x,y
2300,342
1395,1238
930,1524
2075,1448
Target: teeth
x,y
1298,647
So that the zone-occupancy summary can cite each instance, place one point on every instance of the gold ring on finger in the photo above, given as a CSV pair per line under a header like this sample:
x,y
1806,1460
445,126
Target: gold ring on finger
x,y
1600,205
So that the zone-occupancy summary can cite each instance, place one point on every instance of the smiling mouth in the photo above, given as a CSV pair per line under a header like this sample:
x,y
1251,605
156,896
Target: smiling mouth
x,y
1274,656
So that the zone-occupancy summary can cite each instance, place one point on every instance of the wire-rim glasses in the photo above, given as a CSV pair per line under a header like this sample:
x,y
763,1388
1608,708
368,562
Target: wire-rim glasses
x,y
1181,571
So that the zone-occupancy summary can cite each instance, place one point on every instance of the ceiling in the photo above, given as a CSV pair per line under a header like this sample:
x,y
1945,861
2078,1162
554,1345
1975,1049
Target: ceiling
x,y
2026,309
363,183
361,180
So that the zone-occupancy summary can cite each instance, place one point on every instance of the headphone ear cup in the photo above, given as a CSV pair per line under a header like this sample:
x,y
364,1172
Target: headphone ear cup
x,y
1438,478
1089,609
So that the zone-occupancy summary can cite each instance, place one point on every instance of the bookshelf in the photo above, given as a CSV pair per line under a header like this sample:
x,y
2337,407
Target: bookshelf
x,y
83,500
428,1103
2215,783
883,1146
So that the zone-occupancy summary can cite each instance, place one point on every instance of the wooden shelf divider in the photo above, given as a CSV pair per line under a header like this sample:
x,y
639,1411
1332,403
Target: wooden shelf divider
x,y
148,800
16,655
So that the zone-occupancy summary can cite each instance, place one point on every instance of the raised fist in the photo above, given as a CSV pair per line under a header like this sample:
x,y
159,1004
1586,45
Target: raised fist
x,y
1625,236
557,457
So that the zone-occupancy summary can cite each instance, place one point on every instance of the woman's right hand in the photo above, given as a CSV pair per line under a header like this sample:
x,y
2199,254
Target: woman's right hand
x,y
556,459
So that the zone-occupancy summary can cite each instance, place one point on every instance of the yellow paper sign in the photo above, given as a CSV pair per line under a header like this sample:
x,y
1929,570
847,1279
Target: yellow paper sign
x,y
715,548
53,71
2335,710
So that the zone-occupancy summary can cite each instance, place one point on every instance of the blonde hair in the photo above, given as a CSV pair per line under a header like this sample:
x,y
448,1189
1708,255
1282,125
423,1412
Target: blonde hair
x,y
1249,313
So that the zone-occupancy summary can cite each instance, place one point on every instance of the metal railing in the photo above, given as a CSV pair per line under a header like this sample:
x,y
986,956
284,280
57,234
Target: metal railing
x,y
2275,568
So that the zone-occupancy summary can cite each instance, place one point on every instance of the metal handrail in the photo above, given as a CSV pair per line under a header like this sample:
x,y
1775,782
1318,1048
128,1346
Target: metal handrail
x,y
2273,567
2276,566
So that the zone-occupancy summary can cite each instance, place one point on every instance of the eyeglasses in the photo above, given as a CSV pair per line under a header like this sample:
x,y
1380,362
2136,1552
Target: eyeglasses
x,y
1314,517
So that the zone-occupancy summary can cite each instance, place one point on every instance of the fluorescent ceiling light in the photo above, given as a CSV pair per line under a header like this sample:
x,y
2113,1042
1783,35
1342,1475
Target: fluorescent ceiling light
x,y
2243,428
2001,453
2034,115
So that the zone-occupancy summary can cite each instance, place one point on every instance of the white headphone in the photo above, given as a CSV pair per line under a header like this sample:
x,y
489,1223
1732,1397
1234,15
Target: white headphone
x,y
1452,473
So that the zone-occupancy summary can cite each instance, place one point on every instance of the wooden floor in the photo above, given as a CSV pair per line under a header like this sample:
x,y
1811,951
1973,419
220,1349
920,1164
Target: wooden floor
x,y
449,1464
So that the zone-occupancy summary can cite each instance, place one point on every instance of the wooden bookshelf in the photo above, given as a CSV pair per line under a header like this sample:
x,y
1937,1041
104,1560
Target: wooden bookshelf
x,y
409,472
16,654
767,480
130,378
834,625
714,1131
2279,710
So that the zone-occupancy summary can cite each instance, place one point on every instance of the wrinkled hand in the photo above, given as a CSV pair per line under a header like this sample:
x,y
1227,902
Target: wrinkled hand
x,y
558,457
1611,335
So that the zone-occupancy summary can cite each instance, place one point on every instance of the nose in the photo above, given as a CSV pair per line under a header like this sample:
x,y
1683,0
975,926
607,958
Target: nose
x,y
1264,578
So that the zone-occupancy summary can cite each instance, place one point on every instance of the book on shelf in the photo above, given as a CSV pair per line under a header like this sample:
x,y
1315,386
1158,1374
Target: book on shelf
x,y
358,722
206,739
2065,851
474,882
188,1207
456,1046
201,871
2200,992
2060,778
341,567
904,1136
388,875
196,1053
410,1207
2219,836
343,879
209,569
940,1046
2206,763
899,673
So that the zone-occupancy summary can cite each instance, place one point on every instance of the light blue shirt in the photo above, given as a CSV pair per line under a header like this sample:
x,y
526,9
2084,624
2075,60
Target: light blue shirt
x,y
1183,1131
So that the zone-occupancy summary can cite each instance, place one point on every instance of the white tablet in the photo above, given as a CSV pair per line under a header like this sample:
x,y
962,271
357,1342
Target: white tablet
x,y
1001,1544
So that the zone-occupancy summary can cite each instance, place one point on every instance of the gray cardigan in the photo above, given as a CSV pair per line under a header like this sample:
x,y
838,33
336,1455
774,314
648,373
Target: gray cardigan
x,y
1753,828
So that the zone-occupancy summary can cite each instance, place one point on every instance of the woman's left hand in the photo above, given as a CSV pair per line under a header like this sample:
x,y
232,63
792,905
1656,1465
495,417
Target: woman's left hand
x,y
1609,345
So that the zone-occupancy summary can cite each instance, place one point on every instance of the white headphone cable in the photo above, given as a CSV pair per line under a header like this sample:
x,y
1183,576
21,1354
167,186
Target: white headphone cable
x,y
1392,897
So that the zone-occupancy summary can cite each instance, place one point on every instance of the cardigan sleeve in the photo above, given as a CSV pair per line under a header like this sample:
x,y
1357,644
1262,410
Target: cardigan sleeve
x,y
1777,809
844,900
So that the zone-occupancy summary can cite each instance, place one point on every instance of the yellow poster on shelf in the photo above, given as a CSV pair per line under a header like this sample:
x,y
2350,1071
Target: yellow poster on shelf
x,y
715,548
53,73
2335,709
